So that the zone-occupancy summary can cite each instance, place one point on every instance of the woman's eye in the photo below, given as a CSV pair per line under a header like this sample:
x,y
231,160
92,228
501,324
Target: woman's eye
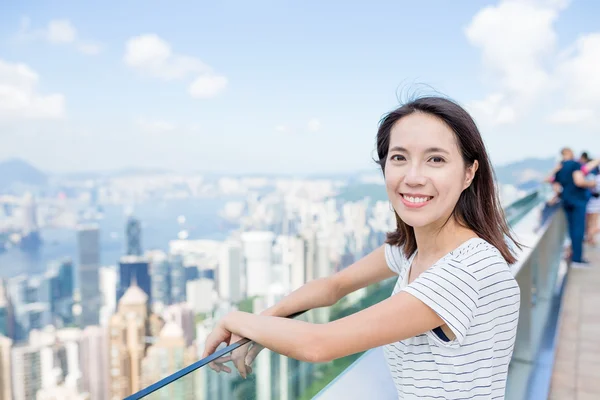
x,y
397,157
437,160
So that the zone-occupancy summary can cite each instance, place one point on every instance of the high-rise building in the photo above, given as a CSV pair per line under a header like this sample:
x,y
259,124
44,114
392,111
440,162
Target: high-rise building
x,y
88,243
160,281
7,327
134,269
258,247
17,293
200,295
26,372
94,362
5,368
60,285
229,271
108,291
30,239
167,355
177,279
127,330
133,232
183,316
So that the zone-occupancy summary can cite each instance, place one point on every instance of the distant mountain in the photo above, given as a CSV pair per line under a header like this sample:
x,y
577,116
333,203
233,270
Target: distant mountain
x,y
18,172
525,173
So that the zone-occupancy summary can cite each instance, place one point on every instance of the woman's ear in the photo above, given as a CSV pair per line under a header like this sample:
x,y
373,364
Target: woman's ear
x,y
470,174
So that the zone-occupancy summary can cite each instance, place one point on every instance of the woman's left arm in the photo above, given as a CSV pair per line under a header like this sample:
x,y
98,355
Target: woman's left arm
x,y
397,318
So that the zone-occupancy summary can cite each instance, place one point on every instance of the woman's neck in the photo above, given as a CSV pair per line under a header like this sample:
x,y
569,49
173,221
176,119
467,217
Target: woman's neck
x,y
436,240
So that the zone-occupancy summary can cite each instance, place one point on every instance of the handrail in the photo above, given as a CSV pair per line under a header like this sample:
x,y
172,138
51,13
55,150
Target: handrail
x,y
511,218
194,366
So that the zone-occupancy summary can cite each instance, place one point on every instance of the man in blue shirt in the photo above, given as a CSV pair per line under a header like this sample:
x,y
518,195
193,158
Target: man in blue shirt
x,y
575,195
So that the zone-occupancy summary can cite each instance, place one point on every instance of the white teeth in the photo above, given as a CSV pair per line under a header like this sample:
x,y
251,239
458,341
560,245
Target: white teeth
x,y
416,199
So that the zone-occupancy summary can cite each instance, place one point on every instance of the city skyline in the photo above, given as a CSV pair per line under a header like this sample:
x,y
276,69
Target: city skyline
x,y
266,88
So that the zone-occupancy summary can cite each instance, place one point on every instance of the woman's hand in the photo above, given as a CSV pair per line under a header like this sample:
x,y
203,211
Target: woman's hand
x,y
218,335
244,356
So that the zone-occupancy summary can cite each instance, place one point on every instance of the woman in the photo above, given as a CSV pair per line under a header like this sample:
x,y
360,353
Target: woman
x,y
448,329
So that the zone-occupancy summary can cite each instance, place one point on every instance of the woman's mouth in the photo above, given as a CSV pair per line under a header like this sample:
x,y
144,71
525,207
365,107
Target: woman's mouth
x,y
415,200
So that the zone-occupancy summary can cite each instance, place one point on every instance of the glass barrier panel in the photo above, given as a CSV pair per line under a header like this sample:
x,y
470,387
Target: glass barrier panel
x,y
275,376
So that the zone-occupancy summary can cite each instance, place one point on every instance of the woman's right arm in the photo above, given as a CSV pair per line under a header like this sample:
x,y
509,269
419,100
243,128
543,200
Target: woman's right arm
x,y
318,293
324,292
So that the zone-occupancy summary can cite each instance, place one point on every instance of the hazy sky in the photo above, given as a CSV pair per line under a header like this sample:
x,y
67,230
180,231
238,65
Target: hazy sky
x,y
285,86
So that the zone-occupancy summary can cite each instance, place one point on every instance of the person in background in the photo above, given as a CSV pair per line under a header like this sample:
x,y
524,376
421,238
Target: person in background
x,y
593,206
575,196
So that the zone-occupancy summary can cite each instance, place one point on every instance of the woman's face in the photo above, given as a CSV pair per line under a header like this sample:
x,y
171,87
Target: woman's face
x,y
424,171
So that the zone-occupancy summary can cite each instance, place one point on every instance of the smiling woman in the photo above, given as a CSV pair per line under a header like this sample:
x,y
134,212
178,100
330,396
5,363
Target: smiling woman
x,y
449,327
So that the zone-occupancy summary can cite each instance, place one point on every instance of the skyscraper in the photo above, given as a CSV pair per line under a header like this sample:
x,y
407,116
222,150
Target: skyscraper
x,y
5,368
128,329
229,271
166,356
258,249
177,279
60,285
31,239
94,358
133,232
134,269
88,243
6,313
26,372
160,281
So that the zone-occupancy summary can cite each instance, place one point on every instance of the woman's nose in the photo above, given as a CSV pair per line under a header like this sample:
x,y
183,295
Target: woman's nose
x,y
414,177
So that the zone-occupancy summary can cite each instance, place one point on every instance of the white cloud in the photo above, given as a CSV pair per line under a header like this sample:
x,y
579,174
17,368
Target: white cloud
x,y
19,98
281,128
579,70
154,126
57,32
494,109
570,116
61,31
151,55
206,86
91,49
314,125
517,40
519,51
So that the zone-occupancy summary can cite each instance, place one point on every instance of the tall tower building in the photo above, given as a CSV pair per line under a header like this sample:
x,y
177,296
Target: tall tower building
x,y
60,285
88,244
108,289
133,232
31,239
128,329
229,271
26,372
258,248
7,324
134,269
168,355
160,281
177,279
94,365
5,368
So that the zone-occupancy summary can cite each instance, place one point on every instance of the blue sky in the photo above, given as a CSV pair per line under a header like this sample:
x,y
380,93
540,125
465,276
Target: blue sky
x,y
282,86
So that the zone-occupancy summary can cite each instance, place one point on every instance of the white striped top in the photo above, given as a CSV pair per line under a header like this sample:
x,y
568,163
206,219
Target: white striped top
x,y
474,292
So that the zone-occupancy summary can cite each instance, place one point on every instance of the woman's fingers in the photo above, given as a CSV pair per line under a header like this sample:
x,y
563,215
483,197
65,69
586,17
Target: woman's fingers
x,y
252,353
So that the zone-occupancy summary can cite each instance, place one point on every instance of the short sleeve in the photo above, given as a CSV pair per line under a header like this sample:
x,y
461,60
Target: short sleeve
x,y
394,258
452,292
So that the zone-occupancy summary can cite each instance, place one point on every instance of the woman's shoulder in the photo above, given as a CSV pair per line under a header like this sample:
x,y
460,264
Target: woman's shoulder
x,y
477,254
395,258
